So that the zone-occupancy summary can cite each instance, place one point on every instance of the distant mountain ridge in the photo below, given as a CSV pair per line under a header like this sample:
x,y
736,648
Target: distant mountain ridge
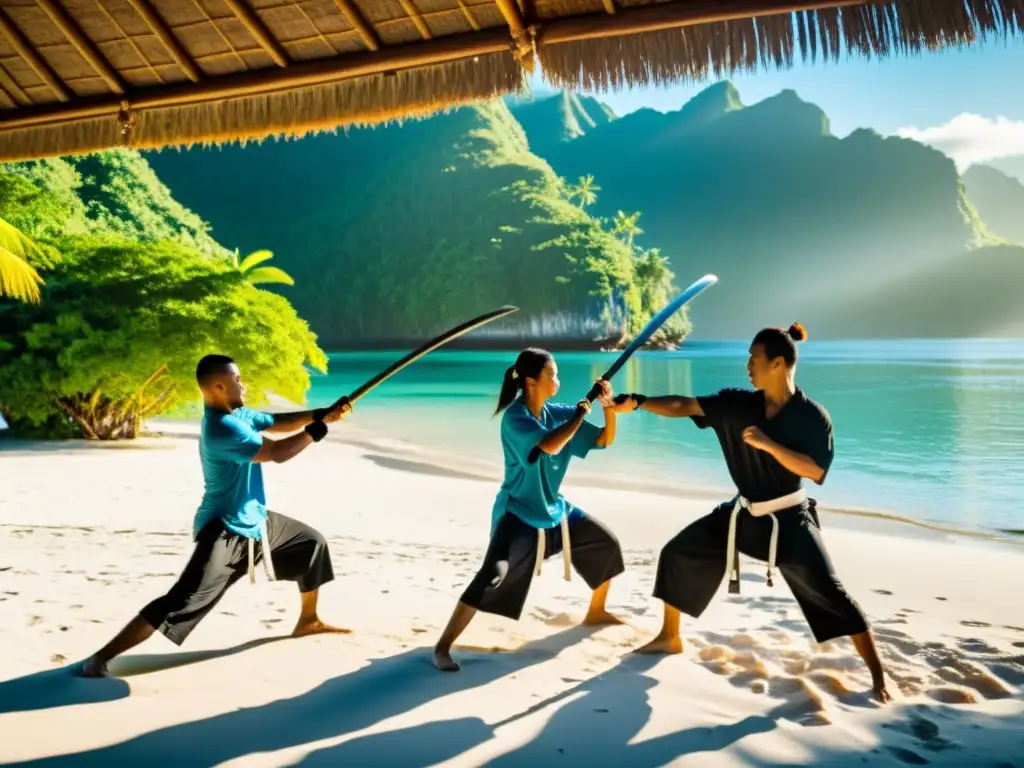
x,y
793,219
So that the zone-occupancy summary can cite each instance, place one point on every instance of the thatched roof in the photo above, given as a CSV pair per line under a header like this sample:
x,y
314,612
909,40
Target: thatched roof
x,y
80,75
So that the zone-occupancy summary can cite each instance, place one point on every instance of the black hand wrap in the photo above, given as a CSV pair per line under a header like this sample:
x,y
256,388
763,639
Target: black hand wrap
x,y
319,414
317,430
640,399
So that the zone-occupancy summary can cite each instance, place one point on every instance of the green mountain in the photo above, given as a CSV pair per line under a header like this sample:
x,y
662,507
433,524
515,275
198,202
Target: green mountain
x,y
399,232
559,117
999,199
112,192
790,217
1012,166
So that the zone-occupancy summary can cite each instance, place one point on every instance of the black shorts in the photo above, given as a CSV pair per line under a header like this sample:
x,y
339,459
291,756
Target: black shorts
x,y
503,581
298,552
692,565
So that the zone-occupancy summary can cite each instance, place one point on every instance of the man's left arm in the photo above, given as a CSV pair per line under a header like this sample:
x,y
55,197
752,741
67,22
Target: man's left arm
x,y
815,463
798,463
285,422
295,420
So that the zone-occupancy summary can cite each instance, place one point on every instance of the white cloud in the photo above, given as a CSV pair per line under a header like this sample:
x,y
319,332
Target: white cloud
x,y
969,139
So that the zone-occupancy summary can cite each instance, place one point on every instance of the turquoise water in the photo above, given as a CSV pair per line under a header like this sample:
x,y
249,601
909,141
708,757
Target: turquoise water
x,y
932,430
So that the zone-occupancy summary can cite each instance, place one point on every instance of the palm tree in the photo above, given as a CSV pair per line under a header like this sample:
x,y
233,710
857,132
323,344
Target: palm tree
x,y
256,274
626,225
585,189
18,279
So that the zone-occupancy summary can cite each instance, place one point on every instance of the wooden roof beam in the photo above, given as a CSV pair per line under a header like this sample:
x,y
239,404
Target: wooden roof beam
x,y
510,12
469,16
163,33
392,58
355,18
412,13
24,49
70,29
17,95
252,22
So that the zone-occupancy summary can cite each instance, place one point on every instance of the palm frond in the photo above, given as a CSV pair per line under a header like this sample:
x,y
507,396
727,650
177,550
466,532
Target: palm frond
x,y
18,278
254,258
269,275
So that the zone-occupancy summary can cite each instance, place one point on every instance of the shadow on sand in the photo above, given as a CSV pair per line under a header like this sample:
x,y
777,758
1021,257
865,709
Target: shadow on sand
x,y
63,688
383,689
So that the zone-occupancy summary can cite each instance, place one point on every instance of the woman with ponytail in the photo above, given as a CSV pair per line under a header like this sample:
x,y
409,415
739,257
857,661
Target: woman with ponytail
x,y
772,436
531,520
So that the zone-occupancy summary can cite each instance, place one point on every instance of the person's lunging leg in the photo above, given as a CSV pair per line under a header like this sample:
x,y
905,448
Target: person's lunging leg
x,y
690,570
597,558
217,562
137,631
300,554
499,587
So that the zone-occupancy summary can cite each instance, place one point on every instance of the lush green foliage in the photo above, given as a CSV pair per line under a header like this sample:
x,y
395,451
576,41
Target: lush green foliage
x,y
117,312
112,192
401,231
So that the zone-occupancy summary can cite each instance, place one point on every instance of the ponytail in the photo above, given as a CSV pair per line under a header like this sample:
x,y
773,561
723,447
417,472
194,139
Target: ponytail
x,y
528,365
509,389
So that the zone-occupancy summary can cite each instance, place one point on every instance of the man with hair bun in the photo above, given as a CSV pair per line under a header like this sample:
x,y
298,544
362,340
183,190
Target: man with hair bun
x,y
772,437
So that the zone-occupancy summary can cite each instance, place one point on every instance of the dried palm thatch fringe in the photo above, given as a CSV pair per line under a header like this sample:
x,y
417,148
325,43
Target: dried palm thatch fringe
x,y
352,102
722,48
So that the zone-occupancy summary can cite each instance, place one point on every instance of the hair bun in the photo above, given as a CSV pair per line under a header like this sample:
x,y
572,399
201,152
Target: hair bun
x,y
797,332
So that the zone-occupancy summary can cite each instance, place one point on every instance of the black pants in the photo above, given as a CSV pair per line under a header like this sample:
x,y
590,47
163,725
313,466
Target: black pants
x,y
692,566
503,581
298,552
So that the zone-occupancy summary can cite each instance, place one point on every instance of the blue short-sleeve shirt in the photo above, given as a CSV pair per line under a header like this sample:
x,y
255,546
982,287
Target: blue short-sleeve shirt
x,y
228,442
530,489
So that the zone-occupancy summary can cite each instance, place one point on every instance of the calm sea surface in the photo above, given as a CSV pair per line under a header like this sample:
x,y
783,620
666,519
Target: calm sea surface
x,y
931,430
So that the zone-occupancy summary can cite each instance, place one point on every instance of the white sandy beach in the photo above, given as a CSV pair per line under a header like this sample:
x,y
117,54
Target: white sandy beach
x,y
92,532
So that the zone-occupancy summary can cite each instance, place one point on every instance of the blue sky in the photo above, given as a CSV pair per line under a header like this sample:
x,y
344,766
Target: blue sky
x,y
925,91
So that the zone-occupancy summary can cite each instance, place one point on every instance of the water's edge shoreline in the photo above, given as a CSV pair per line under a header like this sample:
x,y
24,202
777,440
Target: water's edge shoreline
x,y
411,457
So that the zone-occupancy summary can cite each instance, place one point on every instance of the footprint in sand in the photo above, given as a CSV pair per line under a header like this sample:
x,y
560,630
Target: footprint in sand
x,y
882,592
978,624
906,756
942,599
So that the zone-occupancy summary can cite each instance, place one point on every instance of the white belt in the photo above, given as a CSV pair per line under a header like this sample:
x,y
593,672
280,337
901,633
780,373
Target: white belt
x,y
566,548
758,509
268,565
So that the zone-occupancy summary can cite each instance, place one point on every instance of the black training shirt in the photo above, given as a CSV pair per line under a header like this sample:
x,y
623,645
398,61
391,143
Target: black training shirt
x,y
801,425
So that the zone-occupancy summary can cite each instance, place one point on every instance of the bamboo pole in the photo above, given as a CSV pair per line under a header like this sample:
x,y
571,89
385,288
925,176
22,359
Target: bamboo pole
x,y
159,27
24,49
355,18
469,15
514,19
412,12
88,50
254,24
18,96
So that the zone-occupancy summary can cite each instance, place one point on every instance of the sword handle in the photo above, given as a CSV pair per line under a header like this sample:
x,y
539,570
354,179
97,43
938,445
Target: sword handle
x,y
594,391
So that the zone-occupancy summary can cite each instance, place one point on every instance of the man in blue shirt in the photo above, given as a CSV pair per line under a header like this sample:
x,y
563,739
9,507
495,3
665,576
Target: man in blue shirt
x,y
233,529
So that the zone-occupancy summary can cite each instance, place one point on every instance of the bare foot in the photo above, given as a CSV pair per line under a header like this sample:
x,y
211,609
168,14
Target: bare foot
x,y
882,692
662,645
443,661
317,627
92,667
602,617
